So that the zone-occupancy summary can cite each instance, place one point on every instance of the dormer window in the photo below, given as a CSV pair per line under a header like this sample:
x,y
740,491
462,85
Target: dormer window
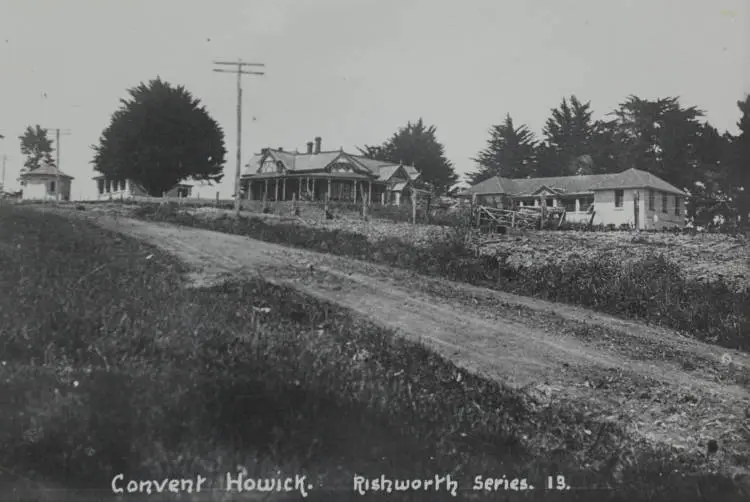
x,y
269,166
341,168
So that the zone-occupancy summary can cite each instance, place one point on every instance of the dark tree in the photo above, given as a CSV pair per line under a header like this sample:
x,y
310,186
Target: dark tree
x,y
660,137
510,152
740,170
160,136
416,144
712,191
36,147
568,140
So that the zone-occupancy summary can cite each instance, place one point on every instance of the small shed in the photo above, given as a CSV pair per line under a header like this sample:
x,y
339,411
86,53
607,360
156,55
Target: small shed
x,y
45,183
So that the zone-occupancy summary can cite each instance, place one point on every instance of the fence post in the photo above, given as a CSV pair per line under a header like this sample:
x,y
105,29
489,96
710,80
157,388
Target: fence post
x,y
414,207
513,219
294,204
217,200
472,208
429,204
544,207
326,198
364,201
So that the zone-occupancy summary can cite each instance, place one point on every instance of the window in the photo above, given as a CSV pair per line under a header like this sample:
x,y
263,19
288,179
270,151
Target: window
x,y
664,203
569,205
587,202
52,187
619,195
550,202
651,200
122,185
676,205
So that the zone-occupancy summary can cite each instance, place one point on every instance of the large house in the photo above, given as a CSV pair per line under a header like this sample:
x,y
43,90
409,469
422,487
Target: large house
x,y
277,175
631,197
110,188
46,182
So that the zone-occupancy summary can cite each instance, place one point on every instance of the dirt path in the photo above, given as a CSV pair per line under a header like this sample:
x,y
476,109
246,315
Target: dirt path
x,y
518,340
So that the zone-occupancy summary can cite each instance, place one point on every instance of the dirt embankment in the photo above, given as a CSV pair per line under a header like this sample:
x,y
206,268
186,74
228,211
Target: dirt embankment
x,y
621,373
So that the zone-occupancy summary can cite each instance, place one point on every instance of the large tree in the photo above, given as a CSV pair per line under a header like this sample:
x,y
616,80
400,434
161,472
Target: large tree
x,y
712,191
510,152
36,147
659,136
160,136
740,170
568,140
416,144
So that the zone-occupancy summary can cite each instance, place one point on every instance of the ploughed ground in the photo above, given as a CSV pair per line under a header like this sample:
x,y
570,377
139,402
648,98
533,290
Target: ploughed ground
x,y
665,387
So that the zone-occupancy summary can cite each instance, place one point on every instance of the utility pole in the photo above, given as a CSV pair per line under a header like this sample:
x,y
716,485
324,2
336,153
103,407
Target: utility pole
x,y
2,184
58,132
239,71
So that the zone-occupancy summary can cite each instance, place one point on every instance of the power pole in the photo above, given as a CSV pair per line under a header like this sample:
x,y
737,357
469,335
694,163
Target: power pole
x,y
239,71
2,184
58,132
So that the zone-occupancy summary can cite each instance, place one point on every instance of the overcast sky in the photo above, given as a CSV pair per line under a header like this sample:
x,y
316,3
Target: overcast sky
x,y
353,71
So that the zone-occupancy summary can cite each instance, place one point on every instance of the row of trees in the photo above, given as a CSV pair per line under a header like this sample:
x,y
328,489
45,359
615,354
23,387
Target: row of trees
x,y
659,136
162,135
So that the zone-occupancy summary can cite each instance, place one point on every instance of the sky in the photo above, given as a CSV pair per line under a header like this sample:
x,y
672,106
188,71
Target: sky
x,y
354,71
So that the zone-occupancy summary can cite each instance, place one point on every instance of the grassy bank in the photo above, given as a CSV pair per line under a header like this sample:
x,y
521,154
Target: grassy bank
x,y
652,290
129,372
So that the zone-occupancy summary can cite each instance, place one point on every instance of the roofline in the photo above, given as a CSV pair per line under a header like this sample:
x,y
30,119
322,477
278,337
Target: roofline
x,y
61,175
673,190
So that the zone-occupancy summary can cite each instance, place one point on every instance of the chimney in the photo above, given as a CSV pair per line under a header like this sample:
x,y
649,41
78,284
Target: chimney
x,y
264,151
309,147
318,139
281,149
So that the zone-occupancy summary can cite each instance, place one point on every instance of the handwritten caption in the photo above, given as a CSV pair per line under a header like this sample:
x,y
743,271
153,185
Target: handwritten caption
x,y
361,485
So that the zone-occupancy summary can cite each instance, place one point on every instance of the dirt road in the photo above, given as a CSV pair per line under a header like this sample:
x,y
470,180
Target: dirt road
x,y
623,371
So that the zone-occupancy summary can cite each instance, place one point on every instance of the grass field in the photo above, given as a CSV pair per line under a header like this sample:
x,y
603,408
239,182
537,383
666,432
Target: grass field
x,y
110,365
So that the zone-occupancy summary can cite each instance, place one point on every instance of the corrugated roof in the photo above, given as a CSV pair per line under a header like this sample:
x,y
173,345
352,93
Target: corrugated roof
x,y
631,178
47,170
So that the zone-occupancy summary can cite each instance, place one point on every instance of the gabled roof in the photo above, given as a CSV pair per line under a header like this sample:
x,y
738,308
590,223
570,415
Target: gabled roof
x,y
46,169
318,161
635,178
580,184
412,172
494,185
563,184
547,188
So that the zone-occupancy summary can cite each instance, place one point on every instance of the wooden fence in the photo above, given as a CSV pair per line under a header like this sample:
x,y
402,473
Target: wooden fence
x,y
492,219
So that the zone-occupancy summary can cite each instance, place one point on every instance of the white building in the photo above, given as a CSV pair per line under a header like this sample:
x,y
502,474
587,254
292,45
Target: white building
x,y
45,183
